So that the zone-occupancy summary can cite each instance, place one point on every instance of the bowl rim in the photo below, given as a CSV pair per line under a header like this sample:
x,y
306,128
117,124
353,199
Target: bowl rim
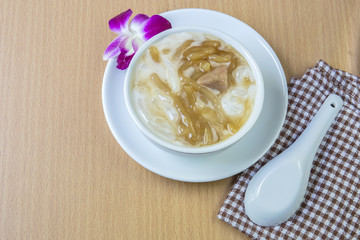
x,y
260,91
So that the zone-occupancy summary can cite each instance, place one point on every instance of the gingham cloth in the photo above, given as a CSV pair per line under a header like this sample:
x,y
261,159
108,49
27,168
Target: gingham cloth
x,y
331,208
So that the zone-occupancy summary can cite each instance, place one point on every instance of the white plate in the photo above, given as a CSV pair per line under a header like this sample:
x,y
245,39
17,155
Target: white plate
x,y
214,166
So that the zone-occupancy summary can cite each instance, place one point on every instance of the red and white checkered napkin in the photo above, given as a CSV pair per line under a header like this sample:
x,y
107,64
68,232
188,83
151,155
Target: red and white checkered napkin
x,y
331,209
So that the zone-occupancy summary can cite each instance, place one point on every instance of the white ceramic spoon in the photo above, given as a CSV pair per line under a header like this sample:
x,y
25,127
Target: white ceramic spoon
x,y
277,189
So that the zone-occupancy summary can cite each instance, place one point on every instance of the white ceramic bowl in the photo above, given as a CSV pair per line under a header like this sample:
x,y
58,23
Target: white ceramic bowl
x,y
204,149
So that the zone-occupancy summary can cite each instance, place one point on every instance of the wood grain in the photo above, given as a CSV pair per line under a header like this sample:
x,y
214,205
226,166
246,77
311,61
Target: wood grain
x,y
63,175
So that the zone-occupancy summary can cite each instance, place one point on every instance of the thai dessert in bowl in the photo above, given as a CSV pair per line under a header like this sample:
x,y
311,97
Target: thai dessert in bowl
x,y
194,90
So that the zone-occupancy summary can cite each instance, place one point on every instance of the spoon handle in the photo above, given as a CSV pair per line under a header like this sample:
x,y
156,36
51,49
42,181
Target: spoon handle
x,y
310,139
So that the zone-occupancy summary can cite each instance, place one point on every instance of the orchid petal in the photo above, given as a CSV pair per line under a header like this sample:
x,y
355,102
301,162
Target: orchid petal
x,y
123,61
136,43
137,23
119,23
113,49
126,46
154,25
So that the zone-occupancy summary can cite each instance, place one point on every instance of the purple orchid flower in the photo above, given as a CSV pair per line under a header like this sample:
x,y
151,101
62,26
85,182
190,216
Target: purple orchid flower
x,y
132,35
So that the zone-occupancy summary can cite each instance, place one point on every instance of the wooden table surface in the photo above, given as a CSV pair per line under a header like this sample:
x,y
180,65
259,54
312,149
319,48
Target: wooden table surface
x,y
62,173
